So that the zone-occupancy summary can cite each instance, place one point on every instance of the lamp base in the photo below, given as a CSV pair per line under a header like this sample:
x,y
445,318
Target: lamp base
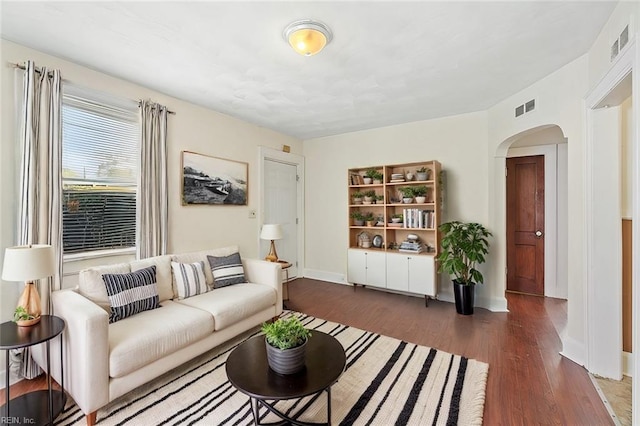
x,y
30,301
272,256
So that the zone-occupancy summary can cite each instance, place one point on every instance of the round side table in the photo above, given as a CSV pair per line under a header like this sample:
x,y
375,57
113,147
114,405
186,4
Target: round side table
x,y
38,407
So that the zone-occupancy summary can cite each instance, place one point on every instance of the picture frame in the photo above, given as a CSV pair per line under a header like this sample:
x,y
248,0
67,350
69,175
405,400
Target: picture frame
x,y
208,180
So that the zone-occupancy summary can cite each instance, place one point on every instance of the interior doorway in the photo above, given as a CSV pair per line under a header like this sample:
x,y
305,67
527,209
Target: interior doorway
x,y
282,202
525,225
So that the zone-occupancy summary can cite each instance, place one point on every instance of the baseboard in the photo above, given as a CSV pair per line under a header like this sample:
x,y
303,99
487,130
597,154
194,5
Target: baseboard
x,y
573,350
331,277
494,304
627,364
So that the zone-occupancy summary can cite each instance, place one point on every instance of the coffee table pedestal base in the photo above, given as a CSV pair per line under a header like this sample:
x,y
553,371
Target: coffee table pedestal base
x,y
255,407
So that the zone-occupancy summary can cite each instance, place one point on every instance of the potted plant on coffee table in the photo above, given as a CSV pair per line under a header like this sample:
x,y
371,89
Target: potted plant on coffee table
x,y
464,247
286,340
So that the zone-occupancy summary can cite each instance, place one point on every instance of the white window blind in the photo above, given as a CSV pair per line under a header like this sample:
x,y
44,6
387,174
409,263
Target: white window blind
x,y
100,146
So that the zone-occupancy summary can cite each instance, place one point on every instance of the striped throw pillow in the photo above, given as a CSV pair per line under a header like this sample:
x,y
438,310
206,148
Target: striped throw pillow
x,y
131,293
227,270
189,279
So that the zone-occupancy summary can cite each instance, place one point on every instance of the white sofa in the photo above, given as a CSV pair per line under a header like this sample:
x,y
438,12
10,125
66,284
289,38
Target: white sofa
x,y
103,361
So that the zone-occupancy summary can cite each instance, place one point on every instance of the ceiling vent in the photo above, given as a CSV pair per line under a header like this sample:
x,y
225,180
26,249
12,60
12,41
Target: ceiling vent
x,y
526,107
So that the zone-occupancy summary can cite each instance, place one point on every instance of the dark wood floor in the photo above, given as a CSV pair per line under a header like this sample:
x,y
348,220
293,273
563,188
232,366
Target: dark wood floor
x,y
529,382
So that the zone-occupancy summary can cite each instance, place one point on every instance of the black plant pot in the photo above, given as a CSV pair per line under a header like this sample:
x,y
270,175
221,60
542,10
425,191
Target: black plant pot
x,y
464,295
287,361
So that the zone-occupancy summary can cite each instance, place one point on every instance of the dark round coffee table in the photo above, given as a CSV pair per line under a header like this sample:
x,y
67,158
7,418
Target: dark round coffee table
x,y
249,372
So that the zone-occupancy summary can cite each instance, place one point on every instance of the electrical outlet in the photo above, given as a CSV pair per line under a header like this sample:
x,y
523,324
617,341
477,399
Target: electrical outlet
x,y
252,214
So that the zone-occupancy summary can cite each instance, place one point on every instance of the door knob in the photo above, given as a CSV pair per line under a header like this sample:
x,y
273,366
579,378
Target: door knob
x,y
538,234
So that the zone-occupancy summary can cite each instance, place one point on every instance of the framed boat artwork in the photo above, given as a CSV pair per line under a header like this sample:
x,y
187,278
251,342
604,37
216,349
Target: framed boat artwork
x,y
210,180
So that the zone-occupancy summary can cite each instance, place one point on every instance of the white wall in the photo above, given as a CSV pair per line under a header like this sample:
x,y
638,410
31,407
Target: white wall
x,y
458,142
625,13
559,101
626,152
192,128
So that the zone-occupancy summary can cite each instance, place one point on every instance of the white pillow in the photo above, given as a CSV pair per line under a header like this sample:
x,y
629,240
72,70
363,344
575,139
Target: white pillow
x,y
189,279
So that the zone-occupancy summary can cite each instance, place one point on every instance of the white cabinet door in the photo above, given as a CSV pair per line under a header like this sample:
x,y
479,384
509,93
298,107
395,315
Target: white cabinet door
x,y
357,267
422,277
397,272
376,269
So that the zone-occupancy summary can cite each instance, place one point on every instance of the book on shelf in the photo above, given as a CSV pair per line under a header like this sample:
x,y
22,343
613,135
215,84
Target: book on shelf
x,y
418,218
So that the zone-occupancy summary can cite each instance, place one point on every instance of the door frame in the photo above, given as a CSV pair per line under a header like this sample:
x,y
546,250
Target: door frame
x,y
553,287
296,160
626,63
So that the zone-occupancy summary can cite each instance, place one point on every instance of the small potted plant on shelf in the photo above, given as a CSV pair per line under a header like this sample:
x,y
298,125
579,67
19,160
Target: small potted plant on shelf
x,y
370,219
397,218
422,173
464,246
357,197
407,194
369,196
379,199
373,176
358,218
420,192
286,340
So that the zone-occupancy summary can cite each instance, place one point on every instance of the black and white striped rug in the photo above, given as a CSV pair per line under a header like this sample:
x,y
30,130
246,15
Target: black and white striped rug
x,y
386,382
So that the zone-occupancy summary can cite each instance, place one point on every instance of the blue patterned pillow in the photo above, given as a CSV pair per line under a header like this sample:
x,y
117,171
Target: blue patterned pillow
x,y
227,270
131,293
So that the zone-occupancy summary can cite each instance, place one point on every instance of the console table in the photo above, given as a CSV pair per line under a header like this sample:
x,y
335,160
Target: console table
x,y
38,407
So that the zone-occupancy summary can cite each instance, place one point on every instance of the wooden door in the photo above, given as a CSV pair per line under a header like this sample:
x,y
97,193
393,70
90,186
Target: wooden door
x,y
525,224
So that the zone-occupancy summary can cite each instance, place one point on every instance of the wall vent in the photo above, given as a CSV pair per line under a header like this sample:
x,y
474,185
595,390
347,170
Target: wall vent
x,y
526,107
620,43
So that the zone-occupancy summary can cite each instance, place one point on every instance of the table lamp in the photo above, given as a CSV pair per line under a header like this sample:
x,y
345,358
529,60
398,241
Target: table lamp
x,y
29,263
271,231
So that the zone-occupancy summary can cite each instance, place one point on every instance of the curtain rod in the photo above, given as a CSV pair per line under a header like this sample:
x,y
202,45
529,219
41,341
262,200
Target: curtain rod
x,y
39,71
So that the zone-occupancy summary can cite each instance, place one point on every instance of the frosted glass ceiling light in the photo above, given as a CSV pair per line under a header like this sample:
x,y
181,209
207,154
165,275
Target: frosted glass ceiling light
x,y
307,37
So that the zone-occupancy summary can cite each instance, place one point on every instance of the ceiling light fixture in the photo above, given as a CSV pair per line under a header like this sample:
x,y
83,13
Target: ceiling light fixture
x,y
307,37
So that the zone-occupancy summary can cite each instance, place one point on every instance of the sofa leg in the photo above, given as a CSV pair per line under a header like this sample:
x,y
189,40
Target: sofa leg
x,y
91,418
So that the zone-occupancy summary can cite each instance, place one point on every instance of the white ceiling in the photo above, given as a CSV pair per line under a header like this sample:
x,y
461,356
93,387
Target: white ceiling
x,y
389,62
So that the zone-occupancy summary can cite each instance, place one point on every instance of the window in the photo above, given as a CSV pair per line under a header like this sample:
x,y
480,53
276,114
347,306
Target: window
x,y
100,145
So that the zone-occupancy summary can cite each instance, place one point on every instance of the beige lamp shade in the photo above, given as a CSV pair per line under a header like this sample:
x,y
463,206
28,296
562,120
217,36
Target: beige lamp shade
x,y
271,231
28,263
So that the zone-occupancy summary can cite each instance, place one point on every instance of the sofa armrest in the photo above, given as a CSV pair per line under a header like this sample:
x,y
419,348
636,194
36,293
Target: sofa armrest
x,y
267,273
86,349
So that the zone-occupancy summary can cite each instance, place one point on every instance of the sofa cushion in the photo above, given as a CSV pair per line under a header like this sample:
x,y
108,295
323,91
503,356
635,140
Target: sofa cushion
x,y
201,256
227,270
131,293
151,335
164,279
91,285
229,305
189,279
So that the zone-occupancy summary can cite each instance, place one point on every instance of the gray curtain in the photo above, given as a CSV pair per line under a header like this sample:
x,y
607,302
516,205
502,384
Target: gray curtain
x,y
152,207
39,208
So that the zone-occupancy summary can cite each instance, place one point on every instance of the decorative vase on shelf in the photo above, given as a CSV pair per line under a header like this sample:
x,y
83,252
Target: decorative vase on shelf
x,y
367,180
421,200
409,176
407,200
421,176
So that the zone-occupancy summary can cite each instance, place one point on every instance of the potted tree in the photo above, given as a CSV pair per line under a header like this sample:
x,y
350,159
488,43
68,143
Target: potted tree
x,y
464,246
286,340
